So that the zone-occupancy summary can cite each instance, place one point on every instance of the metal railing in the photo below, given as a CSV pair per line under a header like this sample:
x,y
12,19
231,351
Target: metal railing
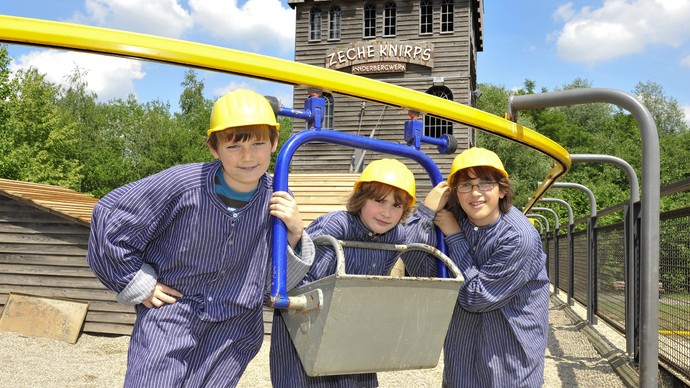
x,y
610,291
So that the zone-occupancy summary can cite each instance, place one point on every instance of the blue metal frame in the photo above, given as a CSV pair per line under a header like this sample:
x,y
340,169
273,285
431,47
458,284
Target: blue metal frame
x,y
314,105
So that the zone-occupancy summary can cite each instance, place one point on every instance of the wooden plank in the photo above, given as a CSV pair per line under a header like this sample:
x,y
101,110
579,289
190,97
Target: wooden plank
x,y
42,217
36,316
111,317
41,248
107,328
53,229
46,270
44,259
83,294
51,281
43,238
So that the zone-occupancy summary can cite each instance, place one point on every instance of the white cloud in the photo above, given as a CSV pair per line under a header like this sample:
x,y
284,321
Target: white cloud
x,y
258,22
109,77
233,85
685,61
621,27
282,92
156,17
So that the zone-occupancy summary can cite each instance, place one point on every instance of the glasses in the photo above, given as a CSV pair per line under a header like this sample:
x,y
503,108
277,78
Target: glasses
x,y
481,186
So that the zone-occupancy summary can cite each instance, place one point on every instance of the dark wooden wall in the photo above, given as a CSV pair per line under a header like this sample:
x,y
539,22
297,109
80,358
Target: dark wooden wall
x,y
45,255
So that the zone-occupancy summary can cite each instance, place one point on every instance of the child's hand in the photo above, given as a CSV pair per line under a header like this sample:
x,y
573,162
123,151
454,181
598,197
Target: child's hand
x,y
285,207
437,197
161,295
446,222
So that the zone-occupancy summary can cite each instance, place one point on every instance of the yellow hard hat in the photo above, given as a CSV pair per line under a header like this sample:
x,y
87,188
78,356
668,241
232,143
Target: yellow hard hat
x,y
475,157
241,108
391,172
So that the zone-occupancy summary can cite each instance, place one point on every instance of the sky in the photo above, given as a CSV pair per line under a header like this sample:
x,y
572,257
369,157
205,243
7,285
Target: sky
x,y
610,43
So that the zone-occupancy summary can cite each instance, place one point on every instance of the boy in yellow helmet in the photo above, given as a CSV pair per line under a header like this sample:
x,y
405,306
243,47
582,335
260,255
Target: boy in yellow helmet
x,y
497,335
190,248
382,198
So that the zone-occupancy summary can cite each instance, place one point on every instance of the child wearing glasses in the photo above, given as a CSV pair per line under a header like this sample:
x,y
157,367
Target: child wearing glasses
x,y
497,336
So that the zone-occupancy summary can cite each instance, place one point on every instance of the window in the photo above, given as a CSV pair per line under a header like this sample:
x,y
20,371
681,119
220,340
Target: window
x,y
447,11
426,17
369,21
334,23
315,24
328,111
433,126
389,15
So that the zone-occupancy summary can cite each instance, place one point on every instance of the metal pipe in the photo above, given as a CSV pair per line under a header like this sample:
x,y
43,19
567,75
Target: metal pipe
x,y
541,226
571,247
630,230
546,239
555,246
591,245
649,226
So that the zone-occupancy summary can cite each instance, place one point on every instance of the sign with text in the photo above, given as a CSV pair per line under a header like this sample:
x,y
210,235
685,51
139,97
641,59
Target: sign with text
x,y
380,56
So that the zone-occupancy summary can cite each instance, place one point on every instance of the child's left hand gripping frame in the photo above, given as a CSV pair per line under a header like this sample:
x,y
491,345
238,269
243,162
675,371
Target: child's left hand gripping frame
x,y
313,114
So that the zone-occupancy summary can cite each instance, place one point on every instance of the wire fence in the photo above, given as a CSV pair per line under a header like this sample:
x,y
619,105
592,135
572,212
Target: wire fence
x,y
610,304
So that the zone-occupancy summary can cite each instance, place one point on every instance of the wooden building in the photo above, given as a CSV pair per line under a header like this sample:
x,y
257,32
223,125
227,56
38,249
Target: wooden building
x,y
425,45
44,232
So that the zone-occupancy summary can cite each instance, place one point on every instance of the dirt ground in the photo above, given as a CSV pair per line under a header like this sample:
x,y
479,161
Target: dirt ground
x,y
100,361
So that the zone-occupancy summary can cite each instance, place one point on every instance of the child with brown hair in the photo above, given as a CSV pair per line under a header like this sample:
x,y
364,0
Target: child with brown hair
x,y
383,197
190,248
497,335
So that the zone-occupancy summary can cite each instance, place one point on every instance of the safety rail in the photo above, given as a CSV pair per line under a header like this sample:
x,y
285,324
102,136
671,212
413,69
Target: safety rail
x,y
609,294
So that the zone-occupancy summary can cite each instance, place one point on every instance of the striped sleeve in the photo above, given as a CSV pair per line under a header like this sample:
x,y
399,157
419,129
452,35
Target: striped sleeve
x,y
419,228
498,280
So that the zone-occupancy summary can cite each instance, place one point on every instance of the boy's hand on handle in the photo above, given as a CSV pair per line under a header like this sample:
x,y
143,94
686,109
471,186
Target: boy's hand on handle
x,y
284,206
161,295
438,197
445,221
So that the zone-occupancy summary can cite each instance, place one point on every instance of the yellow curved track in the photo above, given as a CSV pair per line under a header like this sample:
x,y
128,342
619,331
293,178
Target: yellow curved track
x,y
60,35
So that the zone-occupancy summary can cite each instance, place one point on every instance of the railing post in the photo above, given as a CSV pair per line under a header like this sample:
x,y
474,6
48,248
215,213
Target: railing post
x,y
571,247
555,246
591,248
649,230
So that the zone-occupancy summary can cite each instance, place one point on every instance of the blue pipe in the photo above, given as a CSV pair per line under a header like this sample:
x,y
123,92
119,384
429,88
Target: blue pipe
x,y
280,183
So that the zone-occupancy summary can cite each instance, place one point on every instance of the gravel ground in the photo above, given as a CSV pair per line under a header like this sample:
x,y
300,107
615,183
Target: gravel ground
x,y
99,361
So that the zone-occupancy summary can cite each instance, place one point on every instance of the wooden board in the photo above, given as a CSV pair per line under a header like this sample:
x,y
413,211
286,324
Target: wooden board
x,y
36,316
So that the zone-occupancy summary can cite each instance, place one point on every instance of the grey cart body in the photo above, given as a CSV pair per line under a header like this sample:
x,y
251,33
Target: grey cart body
x,y
364,323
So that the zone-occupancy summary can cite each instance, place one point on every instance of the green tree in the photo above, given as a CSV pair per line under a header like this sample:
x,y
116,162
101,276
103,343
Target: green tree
x,y
193,119
667,113
41,141
4,83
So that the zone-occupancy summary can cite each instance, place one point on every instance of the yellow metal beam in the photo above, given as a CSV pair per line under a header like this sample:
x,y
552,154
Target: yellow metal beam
x,y
61,35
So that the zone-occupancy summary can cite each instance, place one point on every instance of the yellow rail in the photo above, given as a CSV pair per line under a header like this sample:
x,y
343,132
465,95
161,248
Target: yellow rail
x,y
61,35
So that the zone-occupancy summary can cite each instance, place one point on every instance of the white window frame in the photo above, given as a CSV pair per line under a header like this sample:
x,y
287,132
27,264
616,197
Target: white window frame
x,y
328,110
368,7
426,8
315,19
390,20
334,22
447,17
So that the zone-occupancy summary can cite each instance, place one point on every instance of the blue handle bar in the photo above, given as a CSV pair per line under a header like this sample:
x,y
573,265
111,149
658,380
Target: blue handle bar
x,y
280,183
